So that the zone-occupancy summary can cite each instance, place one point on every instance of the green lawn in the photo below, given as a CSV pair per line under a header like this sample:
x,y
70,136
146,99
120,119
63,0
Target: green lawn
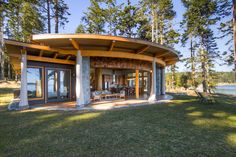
x,y
183,128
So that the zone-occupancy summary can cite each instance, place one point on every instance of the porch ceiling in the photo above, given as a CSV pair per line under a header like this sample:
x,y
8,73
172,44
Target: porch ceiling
x,y
61,48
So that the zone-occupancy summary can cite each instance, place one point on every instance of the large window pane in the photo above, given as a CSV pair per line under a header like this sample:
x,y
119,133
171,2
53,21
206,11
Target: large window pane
x,y
34,82
52,84
64,83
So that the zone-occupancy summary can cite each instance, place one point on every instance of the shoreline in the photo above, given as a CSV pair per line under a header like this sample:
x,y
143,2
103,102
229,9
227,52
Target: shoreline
x,y
226,84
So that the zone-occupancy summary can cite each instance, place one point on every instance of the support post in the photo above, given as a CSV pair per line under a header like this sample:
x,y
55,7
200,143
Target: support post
x,y
137,84
163,81
99,81
23,104
153,88
79,83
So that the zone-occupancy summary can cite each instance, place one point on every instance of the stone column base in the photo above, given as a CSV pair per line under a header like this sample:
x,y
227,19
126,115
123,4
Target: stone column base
x,y
152,98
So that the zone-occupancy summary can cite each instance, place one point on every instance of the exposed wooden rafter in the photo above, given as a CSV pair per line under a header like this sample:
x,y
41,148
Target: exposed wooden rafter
x,y
41,53
55,55
45,59
74,43
142,49
112,45
68,57
163,54
119,54
39,47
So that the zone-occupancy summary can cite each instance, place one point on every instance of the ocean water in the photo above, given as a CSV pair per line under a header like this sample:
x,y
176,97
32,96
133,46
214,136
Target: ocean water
x,y
226,89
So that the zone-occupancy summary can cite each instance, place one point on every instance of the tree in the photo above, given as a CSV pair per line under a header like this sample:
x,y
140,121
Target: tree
x,y
18,13
197,22
111,10
61,12
226,28
80,29
94,19
127,21
54,9
2,10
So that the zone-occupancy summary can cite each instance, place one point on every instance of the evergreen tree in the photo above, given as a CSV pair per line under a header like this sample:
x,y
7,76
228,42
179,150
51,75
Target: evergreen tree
x,y
198,18
80,29
94,19
18,14
111,10
2,10
61,12
127,21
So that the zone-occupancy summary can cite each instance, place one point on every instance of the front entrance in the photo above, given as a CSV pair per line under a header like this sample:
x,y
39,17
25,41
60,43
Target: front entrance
x,y
58,85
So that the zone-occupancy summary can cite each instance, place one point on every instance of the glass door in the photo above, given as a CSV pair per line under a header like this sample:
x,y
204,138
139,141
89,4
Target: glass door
x,y
52,84
58,85
64,84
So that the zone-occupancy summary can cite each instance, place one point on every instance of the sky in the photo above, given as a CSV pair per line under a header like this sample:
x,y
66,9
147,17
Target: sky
x,y
78,7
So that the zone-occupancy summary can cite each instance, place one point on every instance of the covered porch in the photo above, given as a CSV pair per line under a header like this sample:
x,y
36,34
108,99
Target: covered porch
x,y
85,69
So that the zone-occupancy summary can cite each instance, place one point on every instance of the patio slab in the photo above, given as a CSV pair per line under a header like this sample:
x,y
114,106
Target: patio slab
x,y
101,105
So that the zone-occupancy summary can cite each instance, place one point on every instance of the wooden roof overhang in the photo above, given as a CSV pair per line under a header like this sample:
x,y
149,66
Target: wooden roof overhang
x,y
62,48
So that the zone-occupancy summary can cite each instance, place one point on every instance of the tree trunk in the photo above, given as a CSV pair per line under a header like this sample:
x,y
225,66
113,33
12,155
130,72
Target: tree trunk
x,y
49,16
192,63
161,29
172,76
153,22
234,28
56,17
204,71
1,44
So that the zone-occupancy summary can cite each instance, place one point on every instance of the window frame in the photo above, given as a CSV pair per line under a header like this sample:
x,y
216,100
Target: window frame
x,y
42,83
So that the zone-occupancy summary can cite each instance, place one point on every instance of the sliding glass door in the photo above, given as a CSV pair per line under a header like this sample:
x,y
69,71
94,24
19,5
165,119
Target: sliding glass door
x,y
58,84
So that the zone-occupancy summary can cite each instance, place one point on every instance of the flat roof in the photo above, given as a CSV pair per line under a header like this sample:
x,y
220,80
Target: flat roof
x,y
92,45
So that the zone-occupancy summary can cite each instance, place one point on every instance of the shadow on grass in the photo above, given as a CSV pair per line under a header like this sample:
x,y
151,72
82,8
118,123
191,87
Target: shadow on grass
x,y
182,128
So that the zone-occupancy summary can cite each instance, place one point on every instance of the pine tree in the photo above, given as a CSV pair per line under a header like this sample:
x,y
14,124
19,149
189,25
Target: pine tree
x,y
94,19
80,29
18,14
127,20
2,10
60,14
226,27
111,10
197,21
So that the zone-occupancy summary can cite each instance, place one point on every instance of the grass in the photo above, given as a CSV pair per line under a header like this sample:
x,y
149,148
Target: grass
x,y
183,128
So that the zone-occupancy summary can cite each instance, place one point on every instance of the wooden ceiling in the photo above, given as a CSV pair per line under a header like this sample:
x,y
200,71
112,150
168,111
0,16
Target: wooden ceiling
x,y
62,48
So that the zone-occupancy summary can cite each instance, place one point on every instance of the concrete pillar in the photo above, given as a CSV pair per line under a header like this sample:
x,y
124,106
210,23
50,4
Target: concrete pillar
x,y
153,88
137,84
23,104
79,82
163,81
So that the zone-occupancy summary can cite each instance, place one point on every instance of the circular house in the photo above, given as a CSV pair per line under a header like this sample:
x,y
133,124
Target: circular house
x,y
87,67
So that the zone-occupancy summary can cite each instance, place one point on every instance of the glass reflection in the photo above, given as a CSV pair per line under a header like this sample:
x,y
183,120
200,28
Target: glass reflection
x,y
52,84
34,82
64,84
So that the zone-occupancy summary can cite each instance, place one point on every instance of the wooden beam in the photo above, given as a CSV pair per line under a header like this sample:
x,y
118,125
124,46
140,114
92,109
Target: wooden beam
x,y
142,49
119,54
112,45
39,47
74,43
68,57
137,84
172,59
45,59
55,55
163,54
41,53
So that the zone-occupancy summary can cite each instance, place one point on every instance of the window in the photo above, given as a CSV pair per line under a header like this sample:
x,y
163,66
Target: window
x,y
34,82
